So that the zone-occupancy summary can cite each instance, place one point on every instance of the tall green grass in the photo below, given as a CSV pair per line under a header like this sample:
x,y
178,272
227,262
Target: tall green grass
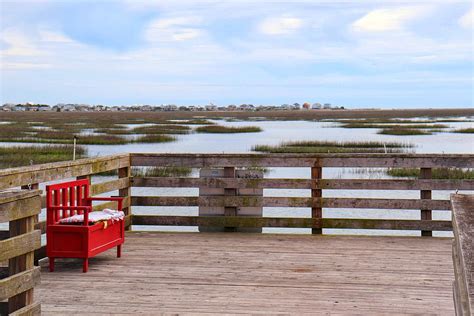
x,y
25,155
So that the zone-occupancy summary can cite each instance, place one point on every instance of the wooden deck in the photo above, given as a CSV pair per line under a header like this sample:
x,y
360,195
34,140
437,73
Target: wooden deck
x,y
239,273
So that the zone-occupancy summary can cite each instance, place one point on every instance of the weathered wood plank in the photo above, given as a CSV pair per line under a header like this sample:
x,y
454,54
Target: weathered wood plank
x,y
304,160
249,201
274,183
19,245
126,191
14,195
425,173
15,177
251,221
19,283
21,263
316,194
112,185
21,208
30,310
463,251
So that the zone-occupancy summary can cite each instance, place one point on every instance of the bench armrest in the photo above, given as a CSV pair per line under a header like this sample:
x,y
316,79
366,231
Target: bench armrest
x,y
113,198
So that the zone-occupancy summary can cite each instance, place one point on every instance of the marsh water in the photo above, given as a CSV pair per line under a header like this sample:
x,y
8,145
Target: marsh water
x,y
275,132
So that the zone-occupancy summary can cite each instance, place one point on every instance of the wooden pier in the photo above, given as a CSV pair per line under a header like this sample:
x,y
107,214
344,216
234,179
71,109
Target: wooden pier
x,y
239,273
254,273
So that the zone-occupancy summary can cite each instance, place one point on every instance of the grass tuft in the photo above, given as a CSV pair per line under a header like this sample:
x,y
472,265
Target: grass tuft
x,y
228,129
469,130
441,173
161,171
403,131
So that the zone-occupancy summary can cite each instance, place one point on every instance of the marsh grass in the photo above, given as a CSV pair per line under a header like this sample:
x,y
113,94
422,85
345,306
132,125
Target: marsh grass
x,y
407,126
334,147
441,173
162,129
161,171
193,122
26,155
228,129
469,130
399,131
154,139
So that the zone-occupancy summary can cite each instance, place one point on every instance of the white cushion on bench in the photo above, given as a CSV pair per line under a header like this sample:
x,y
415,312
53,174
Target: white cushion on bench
x,y
94,217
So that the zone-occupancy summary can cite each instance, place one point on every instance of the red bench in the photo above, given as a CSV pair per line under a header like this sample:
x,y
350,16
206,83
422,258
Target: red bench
x,y
83,240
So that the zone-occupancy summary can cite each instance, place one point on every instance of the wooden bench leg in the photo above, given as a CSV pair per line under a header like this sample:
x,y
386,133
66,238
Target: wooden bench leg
x,y
51,264
119,251
85,265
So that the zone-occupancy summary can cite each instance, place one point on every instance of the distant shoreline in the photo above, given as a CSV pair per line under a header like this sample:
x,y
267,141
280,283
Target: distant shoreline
x,y
277,115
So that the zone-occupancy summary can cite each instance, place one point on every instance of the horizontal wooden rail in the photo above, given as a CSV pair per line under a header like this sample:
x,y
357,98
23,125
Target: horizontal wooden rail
x,y
252,201
19,283
275,183
20,245
305,160
15,177
248,221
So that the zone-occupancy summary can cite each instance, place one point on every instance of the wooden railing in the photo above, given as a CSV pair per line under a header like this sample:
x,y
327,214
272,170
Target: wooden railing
x,y
316,183
18,275
316,165
463,253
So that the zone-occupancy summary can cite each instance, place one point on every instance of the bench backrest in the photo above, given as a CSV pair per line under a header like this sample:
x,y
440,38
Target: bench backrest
x,y
72,193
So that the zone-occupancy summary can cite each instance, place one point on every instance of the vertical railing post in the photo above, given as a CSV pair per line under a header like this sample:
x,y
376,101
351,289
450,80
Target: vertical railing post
x,y
35,186
229,172
316,194
19,226
426,173
126,192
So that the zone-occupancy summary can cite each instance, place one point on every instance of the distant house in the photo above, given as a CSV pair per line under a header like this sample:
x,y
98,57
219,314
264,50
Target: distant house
x,y
306,106
316,106
211,107
327,105
170,107
44,108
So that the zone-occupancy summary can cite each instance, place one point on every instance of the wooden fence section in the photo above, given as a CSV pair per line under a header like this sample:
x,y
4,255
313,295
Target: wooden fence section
x,y
19,276
31,177
316,165
121,165
463,253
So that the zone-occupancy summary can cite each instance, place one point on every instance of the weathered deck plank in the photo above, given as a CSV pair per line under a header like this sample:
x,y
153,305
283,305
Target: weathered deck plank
x,y
259,274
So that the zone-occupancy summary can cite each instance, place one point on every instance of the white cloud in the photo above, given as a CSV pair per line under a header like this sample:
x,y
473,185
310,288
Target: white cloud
x,y
18,44
21,66
54,37
174,29
467,19
280,25
382,20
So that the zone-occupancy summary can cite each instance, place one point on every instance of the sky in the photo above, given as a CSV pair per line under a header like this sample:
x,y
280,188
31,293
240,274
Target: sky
x,y
383,54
